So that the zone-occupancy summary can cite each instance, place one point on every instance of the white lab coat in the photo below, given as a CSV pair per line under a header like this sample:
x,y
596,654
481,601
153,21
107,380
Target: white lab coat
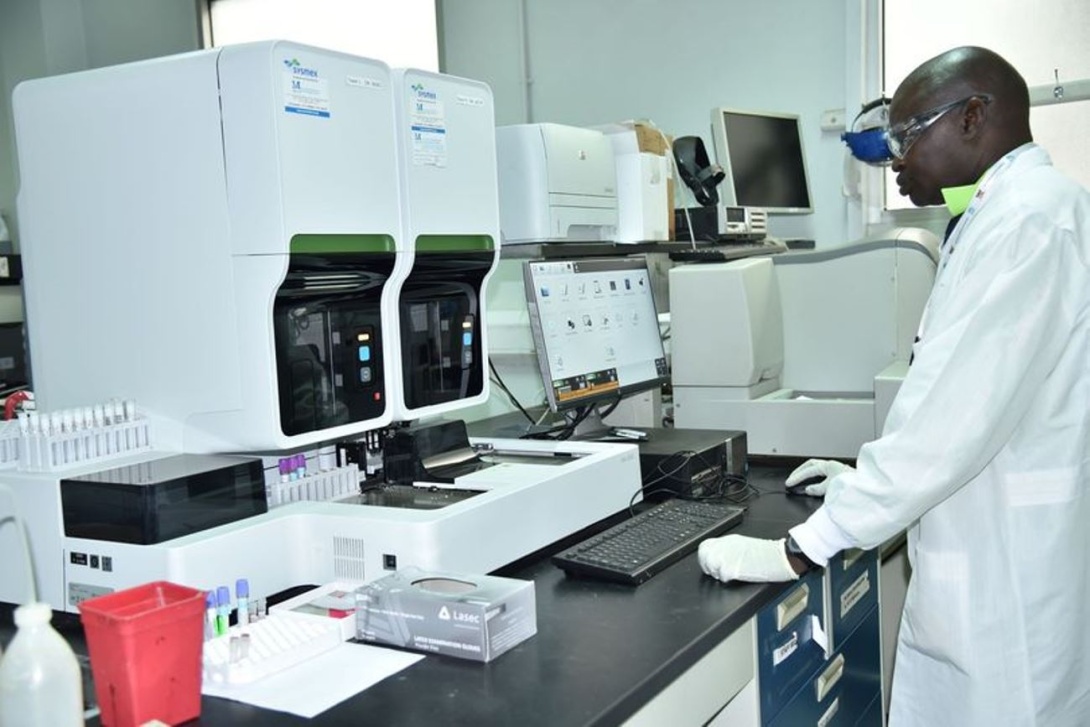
x,y
985,457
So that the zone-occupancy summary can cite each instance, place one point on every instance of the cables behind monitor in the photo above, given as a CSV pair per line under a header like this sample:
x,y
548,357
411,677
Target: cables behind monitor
x,y
572,420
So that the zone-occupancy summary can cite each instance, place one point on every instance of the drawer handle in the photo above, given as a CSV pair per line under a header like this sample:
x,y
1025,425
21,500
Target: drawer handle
x,y
828,678
851,555
792,606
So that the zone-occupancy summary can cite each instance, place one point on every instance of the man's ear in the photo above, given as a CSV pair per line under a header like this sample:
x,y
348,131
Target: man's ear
x,y
974,116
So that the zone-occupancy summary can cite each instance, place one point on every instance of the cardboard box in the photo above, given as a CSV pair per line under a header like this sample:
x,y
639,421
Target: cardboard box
x,y
643,209
670,196
644,173
651,140
634,137
467,616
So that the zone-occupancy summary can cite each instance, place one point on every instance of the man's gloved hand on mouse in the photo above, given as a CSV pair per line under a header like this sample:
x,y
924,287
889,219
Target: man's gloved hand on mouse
x,y
741,558
826,468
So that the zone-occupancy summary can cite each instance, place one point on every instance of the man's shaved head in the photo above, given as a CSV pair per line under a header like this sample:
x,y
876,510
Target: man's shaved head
x,y
961,145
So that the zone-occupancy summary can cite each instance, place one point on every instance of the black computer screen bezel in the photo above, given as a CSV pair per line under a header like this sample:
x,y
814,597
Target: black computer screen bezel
x,y
790,153
604,393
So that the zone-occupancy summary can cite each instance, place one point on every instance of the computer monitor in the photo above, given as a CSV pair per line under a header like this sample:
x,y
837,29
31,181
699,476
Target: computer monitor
x,y
764,160
596,332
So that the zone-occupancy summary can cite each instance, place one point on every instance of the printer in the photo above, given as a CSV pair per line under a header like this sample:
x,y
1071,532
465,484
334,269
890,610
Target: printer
x,y
556,183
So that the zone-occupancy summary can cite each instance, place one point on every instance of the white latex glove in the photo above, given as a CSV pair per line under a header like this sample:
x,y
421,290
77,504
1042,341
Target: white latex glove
x,y
741,558
826,468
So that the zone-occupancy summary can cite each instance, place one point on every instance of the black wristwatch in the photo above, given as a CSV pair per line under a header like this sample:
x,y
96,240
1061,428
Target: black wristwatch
x,y
795,555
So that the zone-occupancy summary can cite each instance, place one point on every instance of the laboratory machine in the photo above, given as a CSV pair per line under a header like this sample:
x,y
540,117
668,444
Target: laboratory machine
x,y
224,226
202,520
451,230
804,351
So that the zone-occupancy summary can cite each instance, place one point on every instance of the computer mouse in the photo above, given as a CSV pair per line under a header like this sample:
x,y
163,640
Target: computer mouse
x,y
799,488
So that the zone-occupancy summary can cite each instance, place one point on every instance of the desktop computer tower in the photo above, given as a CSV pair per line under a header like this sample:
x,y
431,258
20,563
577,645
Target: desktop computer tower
x,y
691,463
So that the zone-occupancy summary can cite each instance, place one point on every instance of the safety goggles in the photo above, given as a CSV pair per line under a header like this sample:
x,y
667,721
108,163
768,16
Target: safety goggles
x,y
902,136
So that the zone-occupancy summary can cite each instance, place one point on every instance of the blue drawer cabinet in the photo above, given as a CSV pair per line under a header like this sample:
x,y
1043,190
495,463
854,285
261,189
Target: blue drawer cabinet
x,y
851,592
873,716
786,651
843,690
798,684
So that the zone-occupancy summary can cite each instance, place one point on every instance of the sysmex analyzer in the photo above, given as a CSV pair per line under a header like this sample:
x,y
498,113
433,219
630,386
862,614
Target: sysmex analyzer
x,y
229,247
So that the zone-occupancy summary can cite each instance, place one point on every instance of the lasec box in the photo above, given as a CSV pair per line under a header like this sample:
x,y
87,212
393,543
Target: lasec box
x,y
470,617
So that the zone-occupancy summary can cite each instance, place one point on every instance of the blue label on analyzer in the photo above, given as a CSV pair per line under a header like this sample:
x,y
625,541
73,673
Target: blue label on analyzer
x,y
305,91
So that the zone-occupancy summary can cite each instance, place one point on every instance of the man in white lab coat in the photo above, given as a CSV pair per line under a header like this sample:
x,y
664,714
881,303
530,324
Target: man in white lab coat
x,y
985,456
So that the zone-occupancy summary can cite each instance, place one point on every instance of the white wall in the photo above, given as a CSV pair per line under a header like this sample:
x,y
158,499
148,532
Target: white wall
x,y
46,37
595,61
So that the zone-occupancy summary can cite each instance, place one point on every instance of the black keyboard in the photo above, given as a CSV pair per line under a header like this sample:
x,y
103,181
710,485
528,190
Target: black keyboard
x,y
727,251
638,548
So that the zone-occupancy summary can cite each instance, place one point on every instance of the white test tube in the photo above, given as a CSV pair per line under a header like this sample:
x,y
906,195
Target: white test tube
x,y
113,418
70,443
83,426
88,429
31,440
52,420
99,418
127,410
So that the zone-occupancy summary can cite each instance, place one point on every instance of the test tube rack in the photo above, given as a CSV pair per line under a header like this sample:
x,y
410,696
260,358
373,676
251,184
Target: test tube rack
x,y
323,486
50,441
248,653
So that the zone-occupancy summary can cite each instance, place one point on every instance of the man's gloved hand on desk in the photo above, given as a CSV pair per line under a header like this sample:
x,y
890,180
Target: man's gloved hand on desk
x,y
758,560
742,558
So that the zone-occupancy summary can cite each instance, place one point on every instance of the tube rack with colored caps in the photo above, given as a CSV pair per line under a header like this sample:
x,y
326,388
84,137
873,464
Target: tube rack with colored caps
x,y
297,477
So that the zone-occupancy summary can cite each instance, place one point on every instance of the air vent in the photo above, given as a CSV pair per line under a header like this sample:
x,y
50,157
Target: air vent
x,y
348,562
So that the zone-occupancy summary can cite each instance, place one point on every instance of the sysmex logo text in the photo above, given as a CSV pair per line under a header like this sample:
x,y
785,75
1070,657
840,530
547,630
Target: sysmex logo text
x,y
299,69
421,92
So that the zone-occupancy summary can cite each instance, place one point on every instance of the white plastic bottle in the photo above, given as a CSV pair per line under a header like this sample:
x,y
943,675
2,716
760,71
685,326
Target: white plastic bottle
x,y
40,684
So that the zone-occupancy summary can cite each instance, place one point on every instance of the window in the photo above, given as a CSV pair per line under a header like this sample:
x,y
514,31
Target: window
x,y
401,33
1042,40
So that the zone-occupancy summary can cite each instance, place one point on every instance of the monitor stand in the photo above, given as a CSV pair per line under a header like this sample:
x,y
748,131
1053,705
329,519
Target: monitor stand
x,y
592,428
